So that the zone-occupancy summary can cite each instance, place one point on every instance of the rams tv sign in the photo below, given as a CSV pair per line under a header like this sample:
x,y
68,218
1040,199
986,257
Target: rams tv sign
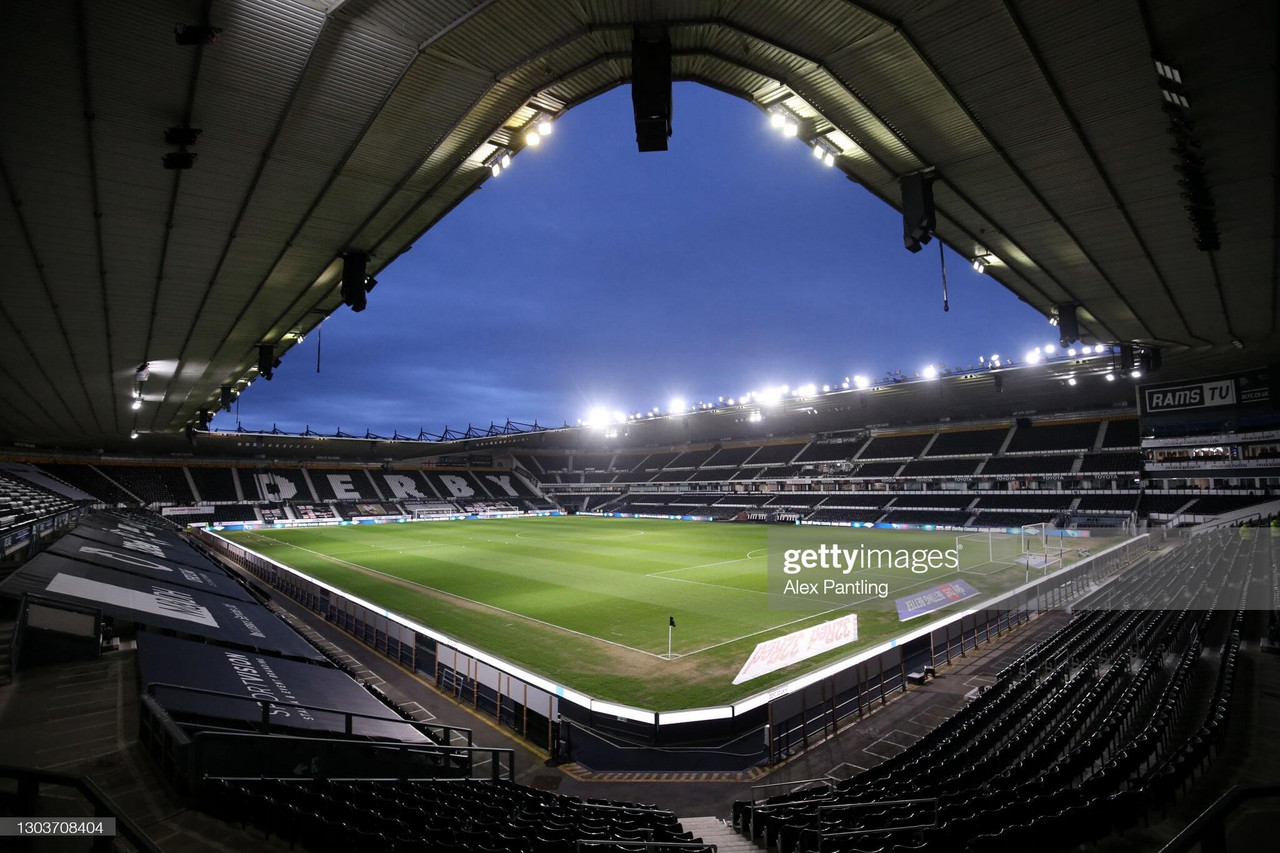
x,y
1211,393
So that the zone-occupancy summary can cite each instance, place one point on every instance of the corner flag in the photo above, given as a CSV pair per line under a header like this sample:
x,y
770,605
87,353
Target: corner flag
x,y
673,621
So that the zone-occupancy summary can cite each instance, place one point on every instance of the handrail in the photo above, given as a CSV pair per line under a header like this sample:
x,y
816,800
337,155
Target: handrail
x,y
826,780
432,749
103,805
1210,828
348,716
679,845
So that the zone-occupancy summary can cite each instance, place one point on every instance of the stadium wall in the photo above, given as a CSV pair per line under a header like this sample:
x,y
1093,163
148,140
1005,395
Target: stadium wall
x,y
767,727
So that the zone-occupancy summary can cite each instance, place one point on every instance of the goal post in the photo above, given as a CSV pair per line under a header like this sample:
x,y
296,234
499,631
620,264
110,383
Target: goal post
x,y
988,552
1042,546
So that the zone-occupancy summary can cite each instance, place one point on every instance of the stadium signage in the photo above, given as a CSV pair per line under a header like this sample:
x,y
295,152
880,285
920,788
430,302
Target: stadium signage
x,y
773,655
1213,392
920,603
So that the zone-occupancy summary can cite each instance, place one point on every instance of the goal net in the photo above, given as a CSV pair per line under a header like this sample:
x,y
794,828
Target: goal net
x,y
986,553
1041,545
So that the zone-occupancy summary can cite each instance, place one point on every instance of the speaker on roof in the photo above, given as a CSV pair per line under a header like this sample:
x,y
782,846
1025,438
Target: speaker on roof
x,y
1127,361
651,87
1068,324
918,216
1150,359
266,360
354,280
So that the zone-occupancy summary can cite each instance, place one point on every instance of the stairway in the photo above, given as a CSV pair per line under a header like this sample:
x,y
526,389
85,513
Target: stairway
x,y
713,830
7,630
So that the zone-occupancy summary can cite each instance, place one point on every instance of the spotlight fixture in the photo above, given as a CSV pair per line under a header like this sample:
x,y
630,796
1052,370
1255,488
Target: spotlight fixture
x,y
133,433
189,35
1111,377
544,126
143,373
532,138
136,404
981,261
1071,380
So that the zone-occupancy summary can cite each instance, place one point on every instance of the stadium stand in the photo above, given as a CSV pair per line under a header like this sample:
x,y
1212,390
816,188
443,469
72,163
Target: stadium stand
x,y
1021,500
828,452
1013,465
214,484
933,500
775,454
1122,434
22,501
939,468
970,442
692,458
152,483
1051,437
1072,739
896,446
731,456
591,461
417,817
883,470
1109,463
91,480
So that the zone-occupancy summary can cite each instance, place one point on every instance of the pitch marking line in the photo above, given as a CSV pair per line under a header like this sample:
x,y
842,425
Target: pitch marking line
x,y
392,577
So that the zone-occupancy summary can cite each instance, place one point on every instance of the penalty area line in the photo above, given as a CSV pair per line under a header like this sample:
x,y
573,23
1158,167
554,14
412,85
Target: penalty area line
x,y
399,579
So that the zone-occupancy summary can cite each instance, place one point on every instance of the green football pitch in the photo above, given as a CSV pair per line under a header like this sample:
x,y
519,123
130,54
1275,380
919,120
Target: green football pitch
x,y
586,601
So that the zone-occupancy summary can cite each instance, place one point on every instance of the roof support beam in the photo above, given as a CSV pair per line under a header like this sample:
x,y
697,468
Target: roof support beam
x,y
86,93
1092,154
29,241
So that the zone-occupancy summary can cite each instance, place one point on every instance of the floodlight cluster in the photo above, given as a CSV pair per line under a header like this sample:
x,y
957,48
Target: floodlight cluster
x,y
755,404
536,131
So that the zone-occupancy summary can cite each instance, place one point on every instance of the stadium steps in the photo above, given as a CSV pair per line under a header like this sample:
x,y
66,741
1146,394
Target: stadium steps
x,y
311,487
1077,464
7,630
191,482
1102,436
713,830
925,451
104,476
1004,445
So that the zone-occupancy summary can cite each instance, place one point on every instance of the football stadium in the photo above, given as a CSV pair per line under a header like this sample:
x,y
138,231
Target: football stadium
x,y
1028,601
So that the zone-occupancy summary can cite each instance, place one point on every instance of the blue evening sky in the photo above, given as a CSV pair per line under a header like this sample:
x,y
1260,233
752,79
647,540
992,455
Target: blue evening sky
x,y
589,275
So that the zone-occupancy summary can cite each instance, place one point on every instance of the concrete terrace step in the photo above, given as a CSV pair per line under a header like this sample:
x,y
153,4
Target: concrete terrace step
x,y
713,830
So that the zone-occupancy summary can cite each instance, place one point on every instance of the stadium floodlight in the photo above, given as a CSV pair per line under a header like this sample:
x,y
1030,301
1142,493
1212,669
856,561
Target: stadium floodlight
x,y
929,372
1048,349
133,433
1072,352
818,152
1071,380
979,265
544,126
1137,374
769,395
826,389
807,390
861,381
777,120
506,161
532,138
677,404
1033,357
829,160
1099,349
596,417
790,128
495,169
136,404
754,417
1111,377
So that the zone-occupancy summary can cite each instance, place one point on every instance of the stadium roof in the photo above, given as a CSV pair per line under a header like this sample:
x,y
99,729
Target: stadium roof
x,y
354,125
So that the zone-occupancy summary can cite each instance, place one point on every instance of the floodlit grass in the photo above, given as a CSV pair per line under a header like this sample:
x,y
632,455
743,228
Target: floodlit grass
x,y
585,601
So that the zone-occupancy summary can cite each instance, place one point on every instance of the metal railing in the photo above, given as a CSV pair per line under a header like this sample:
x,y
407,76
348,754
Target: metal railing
x,y
646,845
1209,830
437,732
29,781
